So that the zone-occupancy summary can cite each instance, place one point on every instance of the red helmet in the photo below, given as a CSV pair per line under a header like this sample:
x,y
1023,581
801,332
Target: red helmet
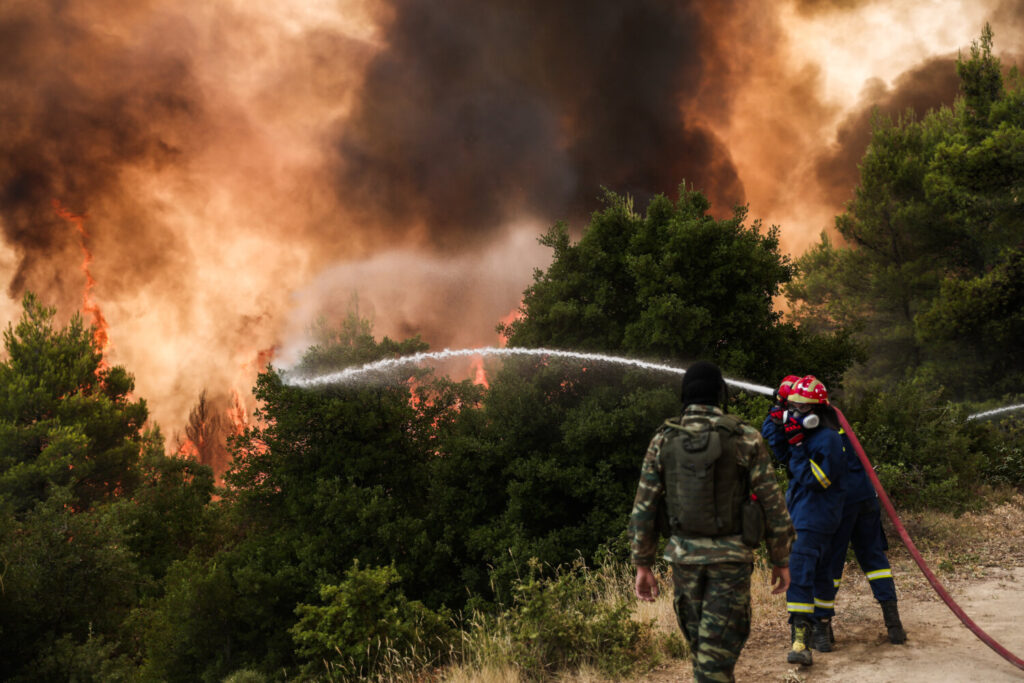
x,y
808,389
786,388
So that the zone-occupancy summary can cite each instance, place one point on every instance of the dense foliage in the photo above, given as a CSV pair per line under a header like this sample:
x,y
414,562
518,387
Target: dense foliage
x,y
674,284
92,513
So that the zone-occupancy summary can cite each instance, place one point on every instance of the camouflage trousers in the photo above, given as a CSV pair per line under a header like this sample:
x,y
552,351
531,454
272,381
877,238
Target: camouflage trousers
x,y
712,603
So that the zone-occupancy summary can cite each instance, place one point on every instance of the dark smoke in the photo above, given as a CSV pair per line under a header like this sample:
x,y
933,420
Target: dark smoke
x,y
1007,18
476,113
78,106
929,85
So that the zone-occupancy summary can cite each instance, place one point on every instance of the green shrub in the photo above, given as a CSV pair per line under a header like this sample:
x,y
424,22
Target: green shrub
x,y
96,658
1005,464
366,623
571,619
926,453
751,407
246,676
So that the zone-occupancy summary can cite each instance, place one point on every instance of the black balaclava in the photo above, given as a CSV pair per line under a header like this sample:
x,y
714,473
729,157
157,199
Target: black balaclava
x,y
703,385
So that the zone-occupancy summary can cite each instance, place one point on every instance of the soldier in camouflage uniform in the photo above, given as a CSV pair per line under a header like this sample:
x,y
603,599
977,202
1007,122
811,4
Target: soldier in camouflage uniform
x,y
711,574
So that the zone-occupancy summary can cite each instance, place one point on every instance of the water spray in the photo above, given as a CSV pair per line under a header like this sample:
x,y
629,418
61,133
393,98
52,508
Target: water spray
x,y
995,411
387,365
367,370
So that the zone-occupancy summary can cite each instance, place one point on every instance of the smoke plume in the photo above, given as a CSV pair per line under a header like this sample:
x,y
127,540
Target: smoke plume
x,y
480,112
244,168
80,106
927,86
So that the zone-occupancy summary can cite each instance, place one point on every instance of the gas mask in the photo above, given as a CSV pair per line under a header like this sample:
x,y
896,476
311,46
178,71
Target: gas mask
x,y
807,420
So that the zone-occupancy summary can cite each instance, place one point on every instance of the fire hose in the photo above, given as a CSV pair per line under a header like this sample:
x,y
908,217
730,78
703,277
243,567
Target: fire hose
x,y
905,537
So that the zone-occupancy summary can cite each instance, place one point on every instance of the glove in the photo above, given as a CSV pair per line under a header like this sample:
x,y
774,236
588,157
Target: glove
x,y
794,430
776,413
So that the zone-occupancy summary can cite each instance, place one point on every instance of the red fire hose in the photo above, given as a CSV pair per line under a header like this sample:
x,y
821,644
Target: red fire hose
x,y
891,511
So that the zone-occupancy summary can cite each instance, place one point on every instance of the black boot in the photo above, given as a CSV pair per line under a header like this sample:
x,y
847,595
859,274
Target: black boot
x,y
800,653
821,633
891,614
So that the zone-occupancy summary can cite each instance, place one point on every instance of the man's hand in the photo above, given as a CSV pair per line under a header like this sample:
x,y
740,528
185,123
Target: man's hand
x,y
647,585
776,413
780,580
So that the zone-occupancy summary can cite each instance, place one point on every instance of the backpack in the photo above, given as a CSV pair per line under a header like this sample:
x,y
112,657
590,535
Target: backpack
x,y
705,488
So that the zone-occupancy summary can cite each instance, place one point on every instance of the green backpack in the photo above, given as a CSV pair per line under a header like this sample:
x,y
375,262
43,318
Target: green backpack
x,y
705,488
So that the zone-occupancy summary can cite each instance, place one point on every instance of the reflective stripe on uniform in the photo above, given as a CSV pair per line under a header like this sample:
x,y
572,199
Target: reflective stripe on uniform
x,y
836,582
820,475
879,574
826,604
801,607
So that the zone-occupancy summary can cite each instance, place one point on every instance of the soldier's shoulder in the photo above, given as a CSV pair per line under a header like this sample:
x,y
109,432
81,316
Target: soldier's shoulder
x,y
662,432
744,432
735,423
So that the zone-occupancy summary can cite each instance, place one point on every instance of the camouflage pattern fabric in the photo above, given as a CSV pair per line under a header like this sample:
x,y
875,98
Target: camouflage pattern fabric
x,y
751,454
712,603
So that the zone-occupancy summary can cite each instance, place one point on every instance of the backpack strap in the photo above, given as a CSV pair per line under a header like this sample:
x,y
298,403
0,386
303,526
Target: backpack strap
x,y
730,423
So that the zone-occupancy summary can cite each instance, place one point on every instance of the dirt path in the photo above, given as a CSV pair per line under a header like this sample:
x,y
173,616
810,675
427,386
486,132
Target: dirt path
x,y
939,648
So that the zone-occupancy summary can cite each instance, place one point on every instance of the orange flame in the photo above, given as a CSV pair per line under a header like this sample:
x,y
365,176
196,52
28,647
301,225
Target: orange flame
x,y
414,400
236,414
188,450
100,335
479,373
513,315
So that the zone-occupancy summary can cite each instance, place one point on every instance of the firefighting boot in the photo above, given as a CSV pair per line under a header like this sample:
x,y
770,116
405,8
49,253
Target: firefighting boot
x,y
892,622
820,635
799,653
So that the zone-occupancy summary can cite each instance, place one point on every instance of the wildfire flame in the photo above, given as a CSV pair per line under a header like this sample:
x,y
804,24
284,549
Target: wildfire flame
x,y
513,315
236,414
188,450
100,335
254,362
479,373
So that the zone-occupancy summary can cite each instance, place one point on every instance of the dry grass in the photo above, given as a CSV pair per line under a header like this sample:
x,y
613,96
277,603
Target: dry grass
x,y
765,607
970,540
957,548
489,673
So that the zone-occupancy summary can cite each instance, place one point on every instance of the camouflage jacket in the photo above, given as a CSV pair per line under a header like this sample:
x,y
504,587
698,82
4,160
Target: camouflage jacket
x,y
650,496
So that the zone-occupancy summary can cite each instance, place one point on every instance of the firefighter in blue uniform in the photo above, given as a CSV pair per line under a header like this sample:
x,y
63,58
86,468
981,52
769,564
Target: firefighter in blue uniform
x,y
861,527
815,500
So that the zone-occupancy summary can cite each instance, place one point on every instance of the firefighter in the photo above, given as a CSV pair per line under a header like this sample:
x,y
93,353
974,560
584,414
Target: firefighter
x,y
815,502
861,527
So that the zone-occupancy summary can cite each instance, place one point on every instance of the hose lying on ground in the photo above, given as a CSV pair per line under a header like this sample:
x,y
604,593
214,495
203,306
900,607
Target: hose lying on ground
x,y
905,537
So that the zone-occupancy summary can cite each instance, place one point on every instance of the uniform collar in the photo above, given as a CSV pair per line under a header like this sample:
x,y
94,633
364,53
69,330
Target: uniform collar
x,y
702,410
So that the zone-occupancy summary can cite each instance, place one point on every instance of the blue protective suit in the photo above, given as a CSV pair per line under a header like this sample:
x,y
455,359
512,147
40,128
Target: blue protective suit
x,y
775,436
815,495
815,502
861,527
